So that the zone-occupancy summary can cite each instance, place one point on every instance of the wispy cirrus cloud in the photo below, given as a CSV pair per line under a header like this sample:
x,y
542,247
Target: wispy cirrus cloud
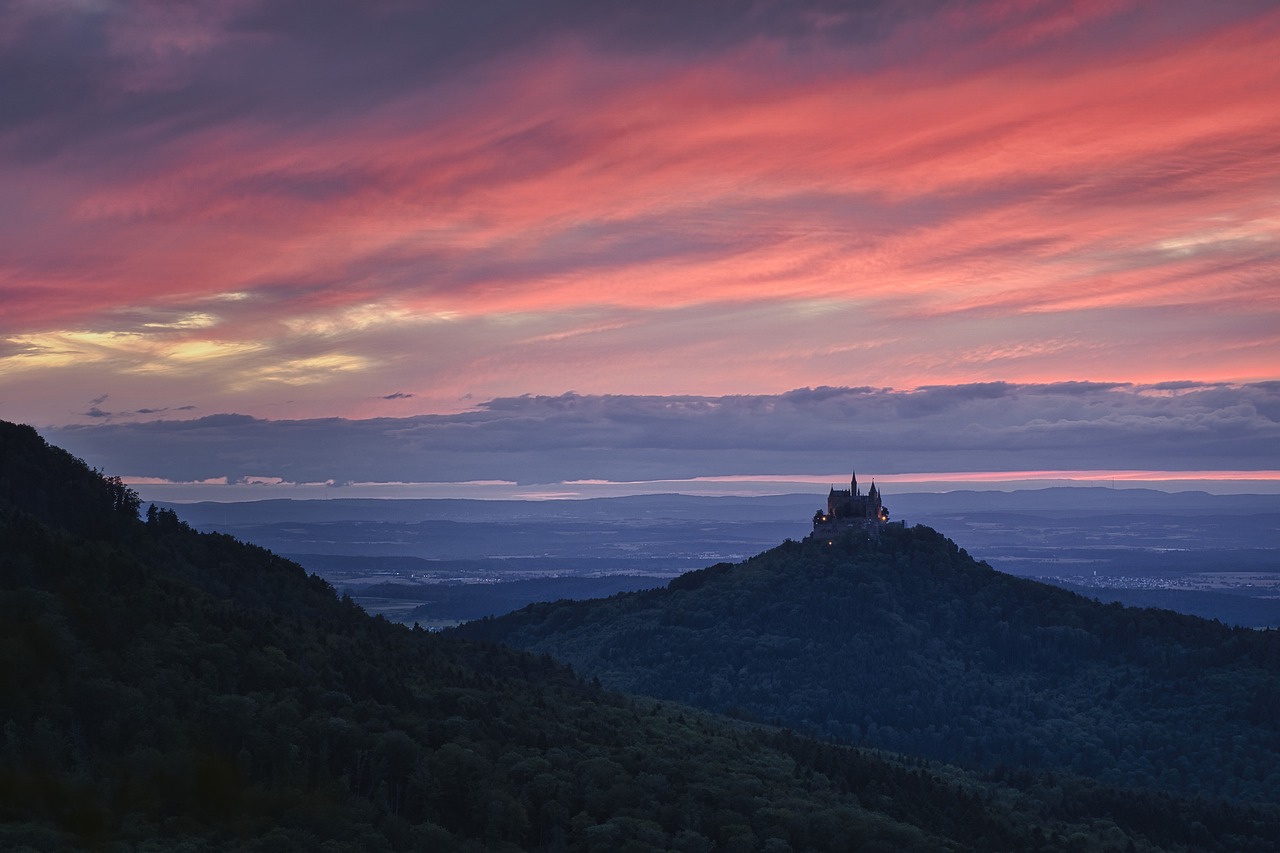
x,y
454,199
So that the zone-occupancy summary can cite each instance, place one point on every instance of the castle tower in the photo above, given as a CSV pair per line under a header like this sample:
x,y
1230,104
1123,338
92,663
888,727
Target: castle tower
x,y
853,485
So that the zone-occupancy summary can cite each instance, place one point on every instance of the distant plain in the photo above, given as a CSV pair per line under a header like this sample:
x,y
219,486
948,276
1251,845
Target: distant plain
x,y
442,561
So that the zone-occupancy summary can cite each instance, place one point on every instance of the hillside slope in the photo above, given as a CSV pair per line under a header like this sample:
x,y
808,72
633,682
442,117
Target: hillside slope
x,y
908,644
163,689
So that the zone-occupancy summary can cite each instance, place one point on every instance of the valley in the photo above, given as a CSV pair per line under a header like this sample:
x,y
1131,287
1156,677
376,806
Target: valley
x,y
1215,556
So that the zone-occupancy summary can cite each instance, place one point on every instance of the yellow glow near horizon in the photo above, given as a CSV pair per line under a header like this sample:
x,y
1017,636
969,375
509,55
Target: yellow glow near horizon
x,y
307,371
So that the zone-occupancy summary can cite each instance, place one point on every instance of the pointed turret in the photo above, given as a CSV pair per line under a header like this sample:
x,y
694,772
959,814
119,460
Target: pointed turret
x,y
853,484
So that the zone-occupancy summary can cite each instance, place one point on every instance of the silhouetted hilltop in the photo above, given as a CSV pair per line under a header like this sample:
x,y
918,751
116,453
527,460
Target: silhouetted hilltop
x,y
164,689
54,487
904,642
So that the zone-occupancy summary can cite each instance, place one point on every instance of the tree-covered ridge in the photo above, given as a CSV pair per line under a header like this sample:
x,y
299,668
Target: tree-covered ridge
x,y
54,487
906,643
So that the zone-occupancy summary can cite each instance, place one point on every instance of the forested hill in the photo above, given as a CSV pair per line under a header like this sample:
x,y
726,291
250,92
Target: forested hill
x,y
162,689
908,644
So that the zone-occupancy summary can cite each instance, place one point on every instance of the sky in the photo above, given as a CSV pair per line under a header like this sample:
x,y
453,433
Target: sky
x,y
560,243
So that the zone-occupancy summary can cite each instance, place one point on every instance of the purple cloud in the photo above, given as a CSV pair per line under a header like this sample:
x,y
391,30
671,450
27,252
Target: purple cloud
x,y
541,439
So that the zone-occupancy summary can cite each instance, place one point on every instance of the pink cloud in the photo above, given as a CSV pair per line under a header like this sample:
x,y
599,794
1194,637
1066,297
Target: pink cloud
x,y
1000,162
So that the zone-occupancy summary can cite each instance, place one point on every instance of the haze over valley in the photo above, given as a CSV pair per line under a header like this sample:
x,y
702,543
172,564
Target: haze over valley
x,y
1216,556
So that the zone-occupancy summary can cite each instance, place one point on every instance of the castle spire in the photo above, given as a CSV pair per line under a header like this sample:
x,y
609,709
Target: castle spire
x,y
853,484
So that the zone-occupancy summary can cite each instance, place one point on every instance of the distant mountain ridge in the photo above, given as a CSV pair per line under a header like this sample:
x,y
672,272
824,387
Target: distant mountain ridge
x,y
904,642
723,508
1089,498
470,509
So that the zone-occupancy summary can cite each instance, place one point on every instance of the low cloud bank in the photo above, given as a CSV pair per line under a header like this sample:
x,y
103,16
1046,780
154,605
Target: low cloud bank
x,y
541,439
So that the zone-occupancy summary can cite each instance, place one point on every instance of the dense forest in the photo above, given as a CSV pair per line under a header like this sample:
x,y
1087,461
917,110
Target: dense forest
x,y
163,689
903,642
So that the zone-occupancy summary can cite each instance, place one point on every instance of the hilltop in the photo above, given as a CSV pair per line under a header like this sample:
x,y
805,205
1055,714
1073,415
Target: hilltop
x,y
902,641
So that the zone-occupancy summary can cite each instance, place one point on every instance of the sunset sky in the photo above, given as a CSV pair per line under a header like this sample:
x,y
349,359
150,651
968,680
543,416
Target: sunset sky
x,y
549,242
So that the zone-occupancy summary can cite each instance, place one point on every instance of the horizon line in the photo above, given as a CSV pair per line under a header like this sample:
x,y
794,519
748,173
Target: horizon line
x,y
738,485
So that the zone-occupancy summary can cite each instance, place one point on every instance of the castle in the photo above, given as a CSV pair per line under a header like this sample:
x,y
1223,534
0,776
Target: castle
x,y
849,509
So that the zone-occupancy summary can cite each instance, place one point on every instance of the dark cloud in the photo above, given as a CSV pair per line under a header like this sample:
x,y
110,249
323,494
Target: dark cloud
x,y
416,39
48,61
98,413
980,427
399,395
88,73
162,409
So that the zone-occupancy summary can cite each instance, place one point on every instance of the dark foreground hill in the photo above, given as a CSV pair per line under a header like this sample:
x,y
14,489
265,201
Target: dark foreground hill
x,y
162,689
906,643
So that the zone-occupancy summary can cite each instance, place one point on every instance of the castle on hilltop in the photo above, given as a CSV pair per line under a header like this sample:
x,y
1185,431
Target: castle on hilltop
x,y
849,509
